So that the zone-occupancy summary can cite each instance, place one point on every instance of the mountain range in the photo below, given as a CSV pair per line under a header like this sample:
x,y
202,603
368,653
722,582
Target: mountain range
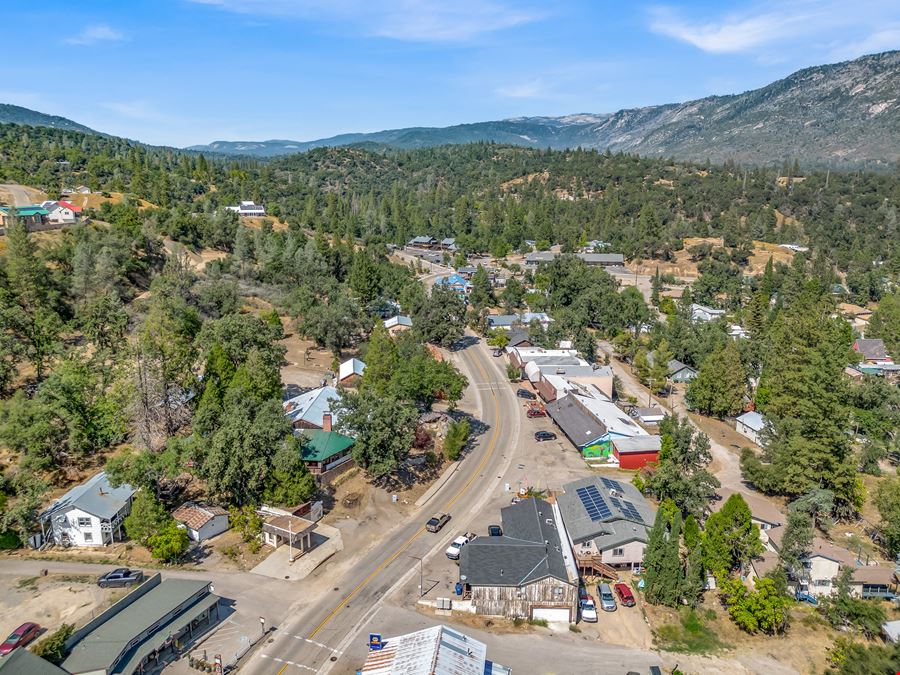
x,y
843,114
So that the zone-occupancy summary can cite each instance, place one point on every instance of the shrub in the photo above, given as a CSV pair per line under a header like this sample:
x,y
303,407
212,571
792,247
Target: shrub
x,y
53,647
456,440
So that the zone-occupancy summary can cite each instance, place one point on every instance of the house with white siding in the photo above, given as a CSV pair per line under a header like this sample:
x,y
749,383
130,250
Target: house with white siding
x,y
90,514
201,521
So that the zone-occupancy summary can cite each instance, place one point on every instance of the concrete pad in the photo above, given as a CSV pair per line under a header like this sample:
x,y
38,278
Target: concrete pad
x,y
326,542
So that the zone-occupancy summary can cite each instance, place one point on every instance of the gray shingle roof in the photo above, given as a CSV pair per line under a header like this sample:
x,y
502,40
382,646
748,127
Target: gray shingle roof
x,y
23,662
871,349
617,528
528,551
94,496
578,426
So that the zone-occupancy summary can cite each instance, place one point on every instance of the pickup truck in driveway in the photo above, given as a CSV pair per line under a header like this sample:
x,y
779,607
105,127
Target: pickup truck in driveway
x,y
120,577
437,521
456,545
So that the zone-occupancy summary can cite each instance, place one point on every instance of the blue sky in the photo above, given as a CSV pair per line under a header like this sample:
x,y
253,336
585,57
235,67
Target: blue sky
x,y
180,72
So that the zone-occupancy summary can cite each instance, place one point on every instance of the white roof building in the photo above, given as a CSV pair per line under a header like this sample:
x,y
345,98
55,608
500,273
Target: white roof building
x,y
350,368
615,420
248,208
307,410
703,314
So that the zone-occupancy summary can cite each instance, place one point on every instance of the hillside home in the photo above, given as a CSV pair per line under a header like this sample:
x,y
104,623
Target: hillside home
x,y
763,513
89,514
602,259
874,581
397,324
608,522
454,282
32,217
751,424
325,450
703,314
248,209
527,572
856,315
350,371
423,242
83,190
61,212
819,567
201,521
448,244
680,372
308,410
872,351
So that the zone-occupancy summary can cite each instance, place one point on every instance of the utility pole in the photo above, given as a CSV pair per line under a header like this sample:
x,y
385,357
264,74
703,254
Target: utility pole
x,y
650,394
421,576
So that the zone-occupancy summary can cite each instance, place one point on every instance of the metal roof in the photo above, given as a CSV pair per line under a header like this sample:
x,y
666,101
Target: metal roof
x,y
310,407
637,444
578,426
753,420
438,650
104,645
351,367
529,550
614,419
23,662
95,496
398,320
320,446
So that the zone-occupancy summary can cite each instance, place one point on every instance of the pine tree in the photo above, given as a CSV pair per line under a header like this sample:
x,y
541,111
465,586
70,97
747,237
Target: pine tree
x,y
381,360
482,295
655,288
720,384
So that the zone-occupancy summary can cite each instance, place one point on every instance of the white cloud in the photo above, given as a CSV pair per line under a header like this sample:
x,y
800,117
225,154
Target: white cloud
x,y
97,33
532,89
850,27
407,20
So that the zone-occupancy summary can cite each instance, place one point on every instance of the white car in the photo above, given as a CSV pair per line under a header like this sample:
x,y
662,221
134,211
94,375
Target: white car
x,y
589,610
456,546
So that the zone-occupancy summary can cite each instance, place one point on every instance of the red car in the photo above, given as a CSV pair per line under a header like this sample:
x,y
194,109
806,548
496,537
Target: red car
x,y
626,597
20,637
536,412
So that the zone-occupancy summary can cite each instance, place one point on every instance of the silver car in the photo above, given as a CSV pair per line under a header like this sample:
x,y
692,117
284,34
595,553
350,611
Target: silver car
x,y
607,599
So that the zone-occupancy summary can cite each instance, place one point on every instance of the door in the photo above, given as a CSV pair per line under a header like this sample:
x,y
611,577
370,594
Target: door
x,y
551,614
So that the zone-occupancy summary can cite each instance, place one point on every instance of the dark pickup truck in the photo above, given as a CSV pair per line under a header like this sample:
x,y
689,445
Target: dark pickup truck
x,y
120,577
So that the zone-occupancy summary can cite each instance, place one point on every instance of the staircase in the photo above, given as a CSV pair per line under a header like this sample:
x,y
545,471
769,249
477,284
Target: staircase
x,y
591,565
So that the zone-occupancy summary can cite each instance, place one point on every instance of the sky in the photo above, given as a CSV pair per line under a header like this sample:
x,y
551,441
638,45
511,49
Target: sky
x,y
184,72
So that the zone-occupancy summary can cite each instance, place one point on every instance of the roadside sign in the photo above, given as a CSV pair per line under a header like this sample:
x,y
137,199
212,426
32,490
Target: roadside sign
x,y
375,643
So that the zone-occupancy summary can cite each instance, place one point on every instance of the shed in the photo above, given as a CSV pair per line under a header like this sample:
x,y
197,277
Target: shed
x,y
653,415
350,371
750,424
201,521
636,452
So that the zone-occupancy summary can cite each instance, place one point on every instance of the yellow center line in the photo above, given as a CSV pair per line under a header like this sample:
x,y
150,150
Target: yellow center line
x,y
408,542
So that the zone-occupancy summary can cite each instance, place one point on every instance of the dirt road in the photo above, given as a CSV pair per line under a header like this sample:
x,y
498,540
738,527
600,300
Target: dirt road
x,y
20,195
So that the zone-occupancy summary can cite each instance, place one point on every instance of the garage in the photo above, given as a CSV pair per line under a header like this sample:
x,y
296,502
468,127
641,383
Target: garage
x,y
551,614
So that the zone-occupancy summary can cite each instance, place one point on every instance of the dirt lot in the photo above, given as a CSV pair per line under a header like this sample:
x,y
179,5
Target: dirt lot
x,y
95,199
52,600
683,266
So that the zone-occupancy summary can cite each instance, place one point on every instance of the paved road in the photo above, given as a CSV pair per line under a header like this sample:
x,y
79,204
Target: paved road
x,y
308,641
21,196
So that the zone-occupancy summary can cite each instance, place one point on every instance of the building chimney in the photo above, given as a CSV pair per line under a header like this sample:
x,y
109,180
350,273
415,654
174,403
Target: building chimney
x,y
326,421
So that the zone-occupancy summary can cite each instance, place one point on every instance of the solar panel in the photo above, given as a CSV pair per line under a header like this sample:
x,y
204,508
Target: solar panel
x,y
611,484
594,503
630,511
616,503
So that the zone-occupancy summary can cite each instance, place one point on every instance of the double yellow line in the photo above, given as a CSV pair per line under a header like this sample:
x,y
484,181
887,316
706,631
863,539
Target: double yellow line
x,y
488,452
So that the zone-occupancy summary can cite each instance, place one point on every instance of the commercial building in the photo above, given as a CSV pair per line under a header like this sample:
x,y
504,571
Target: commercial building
x,y
141,630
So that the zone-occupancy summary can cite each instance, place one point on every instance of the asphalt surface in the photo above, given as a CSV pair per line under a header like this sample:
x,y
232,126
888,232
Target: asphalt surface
x,y
315,639
20,195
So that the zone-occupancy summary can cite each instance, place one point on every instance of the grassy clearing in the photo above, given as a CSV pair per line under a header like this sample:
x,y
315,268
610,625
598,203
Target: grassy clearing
x,y
691,635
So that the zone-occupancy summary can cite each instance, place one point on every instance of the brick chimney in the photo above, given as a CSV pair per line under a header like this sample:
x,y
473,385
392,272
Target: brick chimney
x,y
326,421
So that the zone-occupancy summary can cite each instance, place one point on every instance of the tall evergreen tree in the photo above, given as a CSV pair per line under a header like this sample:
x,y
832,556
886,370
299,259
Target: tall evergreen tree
x,y
720,384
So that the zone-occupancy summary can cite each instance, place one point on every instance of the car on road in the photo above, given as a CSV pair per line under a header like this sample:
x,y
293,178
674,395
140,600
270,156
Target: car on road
x,y
495,531
456,545
607,600
535,412
626,597
588,610
524,393
540,436
120,577
20,637
437,521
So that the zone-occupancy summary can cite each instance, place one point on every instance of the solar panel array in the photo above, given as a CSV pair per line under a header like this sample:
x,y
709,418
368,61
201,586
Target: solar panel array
x,y
594,503
630,511
611,484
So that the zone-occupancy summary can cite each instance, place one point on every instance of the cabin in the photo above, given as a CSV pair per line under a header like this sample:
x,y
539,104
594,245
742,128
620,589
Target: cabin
x,y
397,324
636,452
680,372
201,521
528,572
350,372
751,424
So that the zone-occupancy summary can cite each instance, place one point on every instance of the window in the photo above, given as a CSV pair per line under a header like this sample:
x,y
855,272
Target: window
x,y
89,537
822,583
618,552
557,592
84,522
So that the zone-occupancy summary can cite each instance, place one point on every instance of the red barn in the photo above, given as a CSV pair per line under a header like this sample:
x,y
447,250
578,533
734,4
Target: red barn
x,y
636,452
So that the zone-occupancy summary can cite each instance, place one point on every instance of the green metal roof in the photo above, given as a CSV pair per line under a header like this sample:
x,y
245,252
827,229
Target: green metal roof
x,y
26,210
321,446
99,649
23,662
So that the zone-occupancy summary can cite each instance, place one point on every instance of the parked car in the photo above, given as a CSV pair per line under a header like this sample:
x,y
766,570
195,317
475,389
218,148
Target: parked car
x,y
535,412
588,610
626,597
540,436
495,531
20,637
524,393
437,521
498,351
607,600
583,594
120,577
456,545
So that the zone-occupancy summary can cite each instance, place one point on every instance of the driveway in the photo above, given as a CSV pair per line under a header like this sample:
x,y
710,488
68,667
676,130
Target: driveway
x,y
20,195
